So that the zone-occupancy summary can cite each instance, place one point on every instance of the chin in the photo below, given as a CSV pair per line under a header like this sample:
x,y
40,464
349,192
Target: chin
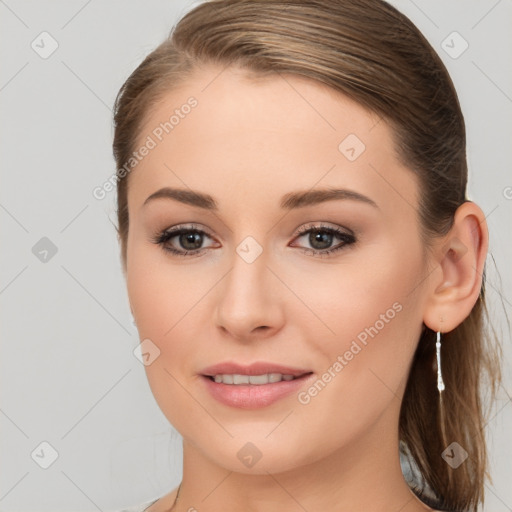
x,y
254,455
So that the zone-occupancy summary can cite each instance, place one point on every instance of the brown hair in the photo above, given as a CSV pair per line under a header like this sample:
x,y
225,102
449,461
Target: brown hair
x,y
372,53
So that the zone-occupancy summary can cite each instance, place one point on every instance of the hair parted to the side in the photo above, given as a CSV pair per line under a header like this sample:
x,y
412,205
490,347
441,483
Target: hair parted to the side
x,y
372,53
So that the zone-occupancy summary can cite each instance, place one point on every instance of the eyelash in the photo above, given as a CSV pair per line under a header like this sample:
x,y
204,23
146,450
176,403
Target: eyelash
x,y
163,237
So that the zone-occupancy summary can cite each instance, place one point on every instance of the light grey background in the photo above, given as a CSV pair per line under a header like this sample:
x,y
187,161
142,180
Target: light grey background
x,y
69,374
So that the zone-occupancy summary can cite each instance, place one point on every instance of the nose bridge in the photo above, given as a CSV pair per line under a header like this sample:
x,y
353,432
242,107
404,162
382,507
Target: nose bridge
x,y
248,277
248,298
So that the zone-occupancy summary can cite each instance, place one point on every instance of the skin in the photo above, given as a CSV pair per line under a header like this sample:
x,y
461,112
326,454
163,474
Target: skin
x,y
247,143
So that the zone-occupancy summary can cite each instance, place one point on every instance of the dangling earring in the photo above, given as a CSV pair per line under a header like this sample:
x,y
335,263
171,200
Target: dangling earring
x,y
440,387
440,383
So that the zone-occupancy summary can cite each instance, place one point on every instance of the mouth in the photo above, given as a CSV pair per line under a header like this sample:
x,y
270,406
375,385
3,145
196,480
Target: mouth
x,y
254,386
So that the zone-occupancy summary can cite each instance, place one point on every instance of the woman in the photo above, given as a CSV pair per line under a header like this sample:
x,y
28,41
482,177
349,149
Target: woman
x,y
302,262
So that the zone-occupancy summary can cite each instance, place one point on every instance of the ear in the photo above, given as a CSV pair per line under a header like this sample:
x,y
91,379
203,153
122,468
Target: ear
x,y
454,285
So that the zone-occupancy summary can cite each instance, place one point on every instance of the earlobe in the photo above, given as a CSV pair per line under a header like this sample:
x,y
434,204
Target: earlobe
x,y
455,287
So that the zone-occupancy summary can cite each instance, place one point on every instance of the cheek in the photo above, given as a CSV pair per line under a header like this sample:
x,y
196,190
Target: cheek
x,y
377,322
374,308
166,301
171,306
160,291
370,290
371,305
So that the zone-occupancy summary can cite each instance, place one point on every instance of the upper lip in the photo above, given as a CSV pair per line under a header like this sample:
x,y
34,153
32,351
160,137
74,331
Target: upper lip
x,y
257,368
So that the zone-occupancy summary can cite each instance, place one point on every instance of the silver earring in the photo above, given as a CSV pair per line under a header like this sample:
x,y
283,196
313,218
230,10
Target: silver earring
x,y
440,383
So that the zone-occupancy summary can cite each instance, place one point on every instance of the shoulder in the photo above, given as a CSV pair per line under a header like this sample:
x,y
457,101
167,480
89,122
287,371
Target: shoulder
x,y
139,508
162,504
159,505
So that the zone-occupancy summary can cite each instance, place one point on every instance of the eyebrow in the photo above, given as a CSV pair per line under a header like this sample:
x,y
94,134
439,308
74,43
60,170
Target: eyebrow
x,y
290,201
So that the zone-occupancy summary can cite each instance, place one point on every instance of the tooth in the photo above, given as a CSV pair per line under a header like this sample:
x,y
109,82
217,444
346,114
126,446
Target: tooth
x,y
259,379
240,379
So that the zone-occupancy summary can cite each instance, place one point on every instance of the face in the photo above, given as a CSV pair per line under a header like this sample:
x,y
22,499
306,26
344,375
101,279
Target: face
x,y
331,289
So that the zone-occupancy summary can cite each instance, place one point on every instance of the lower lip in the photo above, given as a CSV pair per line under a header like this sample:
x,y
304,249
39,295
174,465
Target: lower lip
x,y
253,396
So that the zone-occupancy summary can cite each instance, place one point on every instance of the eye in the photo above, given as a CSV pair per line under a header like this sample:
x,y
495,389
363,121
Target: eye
x,y
190,238
321,237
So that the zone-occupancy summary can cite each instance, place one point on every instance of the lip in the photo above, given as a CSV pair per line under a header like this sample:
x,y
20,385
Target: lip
x,y
251,396
257,368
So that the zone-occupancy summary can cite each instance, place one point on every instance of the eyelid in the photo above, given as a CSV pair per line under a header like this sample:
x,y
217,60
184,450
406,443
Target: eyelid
x,y
319,225
189,226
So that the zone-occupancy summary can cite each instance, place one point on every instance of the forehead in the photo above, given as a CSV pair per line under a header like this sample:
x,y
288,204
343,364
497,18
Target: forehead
x,y
255,135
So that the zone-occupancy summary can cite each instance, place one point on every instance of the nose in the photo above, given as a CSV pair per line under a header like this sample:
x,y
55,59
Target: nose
x,y
249,300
